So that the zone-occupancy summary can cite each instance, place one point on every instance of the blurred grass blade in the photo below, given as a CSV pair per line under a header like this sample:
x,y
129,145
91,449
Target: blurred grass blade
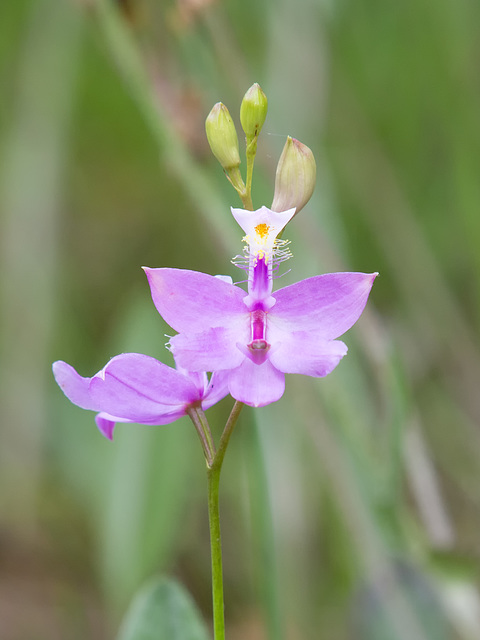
x,y
163,610
33,163
196,183
264,534
371,621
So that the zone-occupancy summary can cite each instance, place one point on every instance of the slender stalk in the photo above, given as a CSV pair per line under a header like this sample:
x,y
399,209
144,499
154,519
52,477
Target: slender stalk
x,y
213,477
200,423
247,201
227,432
244,191
251,152
206,430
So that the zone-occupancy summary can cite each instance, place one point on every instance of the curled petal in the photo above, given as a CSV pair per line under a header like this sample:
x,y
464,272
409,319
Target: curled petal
x,y
106,424
191,301
328,304
256,385
73,385
304,353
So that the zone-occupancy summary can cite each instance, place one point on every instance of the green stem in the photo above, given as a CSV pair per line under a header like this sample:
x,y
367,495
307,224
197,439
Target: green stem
x,y
247,201
244,190
202,427
213,477
208,434
250,153
235,178
227,432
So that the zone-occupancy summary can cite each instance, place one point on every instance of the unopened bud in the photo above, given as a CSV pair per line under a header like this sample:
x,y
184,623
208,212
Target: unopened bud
x,y
253,111
295,178
222,137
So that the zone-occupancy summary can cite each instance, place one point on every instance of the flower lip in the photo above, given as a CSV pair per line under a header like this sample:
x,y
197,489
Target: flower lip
x,y
261,228
257,351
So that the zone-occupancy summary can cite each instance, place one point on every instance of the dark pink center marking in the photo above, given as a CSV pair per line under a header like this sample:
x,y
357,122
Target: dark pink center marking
x,y
258,346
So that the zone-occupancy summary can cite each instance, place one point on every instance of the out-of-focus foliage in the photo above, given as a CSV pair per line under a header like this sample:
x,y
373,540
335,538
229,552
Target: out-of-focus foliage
x,y
350,508
162,609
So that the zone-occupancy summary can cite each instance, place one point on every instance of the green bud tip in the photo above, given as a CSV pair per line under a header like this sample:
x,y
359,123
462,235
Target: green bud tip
x,y
295,177
222,137
253,111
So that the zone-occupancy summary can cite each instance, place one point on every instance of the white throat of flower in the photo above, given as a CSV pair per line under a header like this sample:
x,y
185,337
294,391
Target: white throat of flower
x,y
262,241
261,229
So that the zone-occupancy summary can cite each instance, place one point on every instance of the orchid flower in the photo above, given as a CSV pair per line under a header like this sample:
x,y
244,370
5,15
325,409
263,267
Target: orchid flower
x,y
136,388
257,337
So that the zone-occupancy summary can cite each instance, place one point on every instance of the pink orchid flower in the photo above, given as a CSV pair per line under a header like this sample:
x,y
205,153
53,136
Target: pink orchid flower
x,y
256,337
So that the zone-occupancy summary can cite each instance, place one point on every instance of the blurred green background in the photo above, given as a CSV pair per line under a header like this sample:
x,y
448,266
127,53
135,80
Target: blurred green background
x,y
351,508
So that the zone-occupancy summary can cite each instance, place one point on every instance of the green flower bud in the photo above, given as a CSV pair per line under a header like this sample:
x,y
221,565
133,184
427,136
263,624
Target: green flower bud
x,y
222,137
253,111
295,178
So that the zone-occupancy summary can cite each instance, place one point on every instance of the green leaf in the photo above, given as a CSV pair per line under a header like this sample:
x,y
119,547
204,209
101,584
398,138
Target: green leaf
x,y
163,610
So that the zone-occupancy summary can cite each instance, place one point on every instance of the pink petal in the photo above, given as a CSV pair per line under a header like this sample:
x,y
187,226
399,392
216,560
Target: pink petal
x,y
106,424
141,389
329,304
191,301
73,385
256,385
199,379
217,389
306,354
211,350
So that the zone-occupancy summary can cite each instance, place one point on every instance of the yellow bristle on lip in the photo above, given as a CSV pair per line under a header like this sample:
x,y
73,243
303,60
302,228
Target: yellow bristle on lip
x,y
262,230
